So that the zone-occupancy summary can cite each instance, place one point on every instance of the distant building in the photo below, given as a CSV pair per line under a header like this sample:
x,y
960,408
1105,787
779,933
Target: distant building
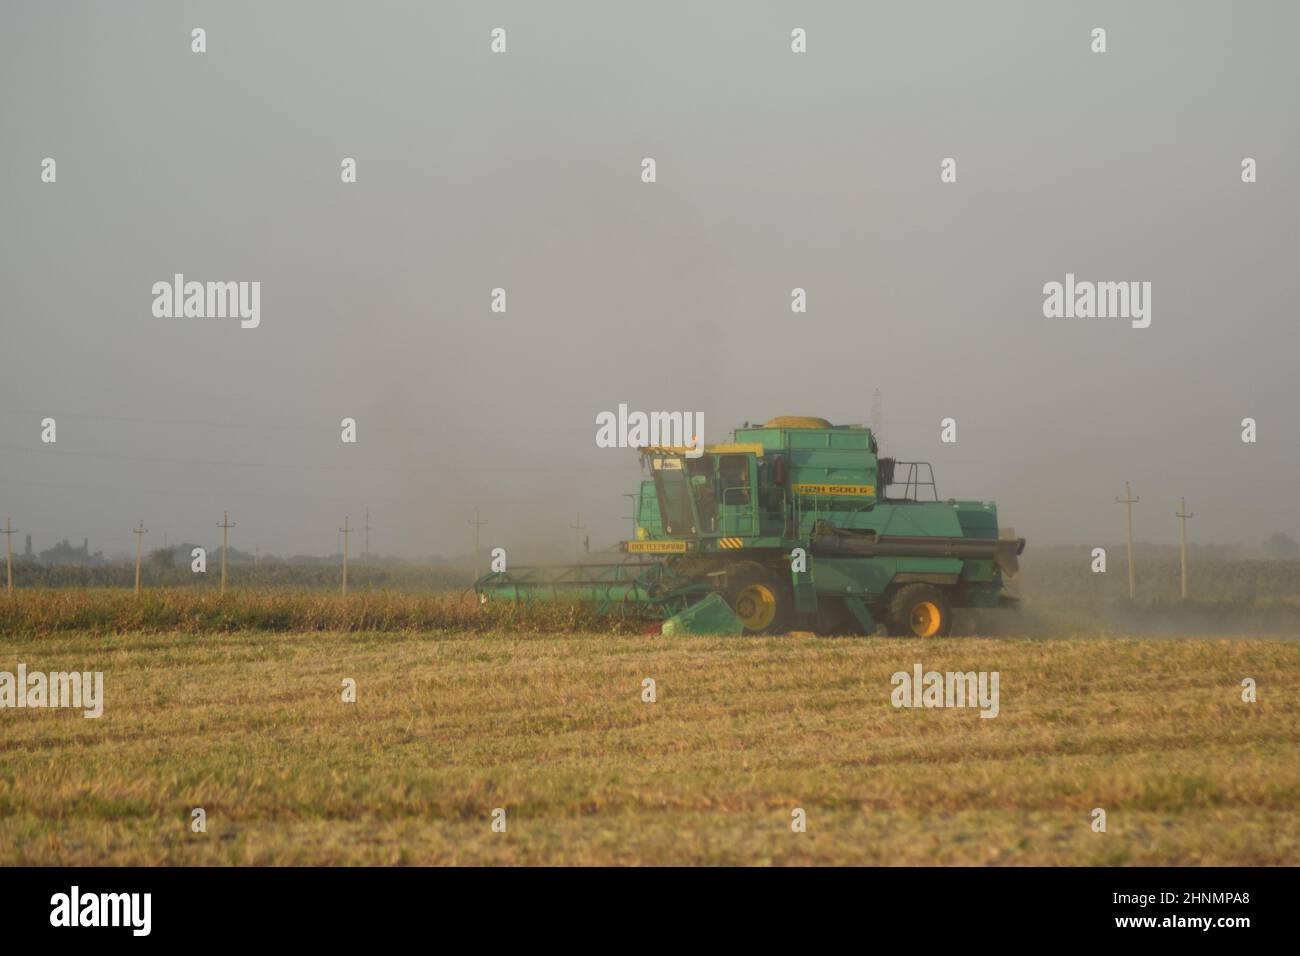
x,y
65,553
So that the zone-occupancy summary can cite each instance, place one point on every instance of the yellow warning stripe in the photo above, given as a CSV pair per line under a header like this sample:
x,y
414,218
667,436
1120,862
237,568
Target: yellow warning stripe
x,y
731,542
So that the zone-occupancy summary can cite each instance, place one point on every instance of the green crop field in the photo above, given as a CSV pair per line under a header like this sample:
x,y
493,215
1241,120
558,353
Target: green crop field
x,y
452,723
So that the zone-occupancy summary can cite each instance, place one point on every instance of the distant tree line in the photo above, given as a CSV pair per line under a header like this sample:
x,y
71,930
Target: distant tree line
x,y
1068,573
166,569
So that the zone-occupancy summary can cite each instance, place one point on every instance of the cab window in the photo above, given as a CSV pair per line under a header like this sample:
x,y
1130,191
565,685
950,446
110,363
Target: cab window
x,y
700,472
733,475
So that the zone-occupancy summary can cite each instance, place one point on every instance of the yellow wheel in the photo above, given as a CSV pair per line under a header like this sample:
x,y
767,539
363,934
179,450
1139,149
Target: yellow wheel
x,y
758,598
925,619
756,607
919,610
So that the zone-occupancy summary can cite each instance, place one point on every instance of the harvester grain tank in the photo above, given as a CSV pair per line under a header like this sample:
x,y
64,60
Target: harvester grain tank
x,y
796,523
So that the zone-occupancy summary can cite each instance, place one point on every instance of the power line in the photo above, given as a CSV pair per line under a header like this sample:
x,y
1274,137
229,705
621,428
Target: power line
x,y
219,462
225,527
1128,501
9,533
577,527
636,497
346,530
1183,514
477,525
139,533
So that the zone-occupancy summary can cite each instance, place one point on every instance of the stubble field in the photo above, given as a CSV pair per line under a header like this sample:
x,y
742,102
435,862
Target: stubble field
x,y
552,728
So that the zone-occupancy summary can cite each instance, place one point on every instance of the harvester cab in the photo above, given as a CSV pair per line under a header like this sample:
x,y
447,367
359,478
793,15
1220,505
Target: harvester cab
x,y
797,522
707,496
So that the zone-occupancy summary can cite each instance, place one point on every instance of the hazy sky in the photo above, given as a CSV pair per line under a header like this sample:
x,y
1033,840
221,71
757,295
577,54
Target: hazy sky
x,y
775,170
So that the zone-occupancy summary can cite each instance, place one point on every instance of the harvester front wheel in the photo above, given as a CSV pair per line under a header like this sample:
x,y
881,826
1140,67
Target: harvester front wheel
x,y
919,610
759,602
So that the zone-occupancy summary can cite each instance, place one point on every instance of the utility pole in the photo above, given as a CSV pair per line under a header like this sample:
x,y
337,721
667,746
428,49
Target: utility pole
x,y
1183,515
9,553
634,496
367,551
346,530
577,527
225,527
877,414
139,533
1128,501
477,525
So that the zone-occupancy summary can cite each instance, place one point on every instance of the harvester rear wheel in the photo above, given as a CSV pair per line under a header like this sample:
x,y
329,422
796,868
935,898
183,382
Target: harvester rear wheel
x,y
919,610
758,600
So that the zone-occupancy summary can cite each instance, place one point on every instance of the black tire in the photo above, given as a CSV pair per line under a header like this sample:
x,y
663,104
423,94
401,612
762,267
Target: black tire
x,y
748,590
919,610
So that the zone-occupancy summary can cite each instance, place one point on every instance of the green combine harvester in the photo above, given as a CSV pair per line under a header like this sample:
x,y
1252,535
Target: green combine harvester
x,y
797,524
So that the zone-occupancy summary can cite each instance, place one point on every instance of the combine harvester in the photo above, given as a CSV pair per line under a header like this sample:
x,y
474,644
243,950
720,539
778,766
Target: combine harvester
x,y
798,524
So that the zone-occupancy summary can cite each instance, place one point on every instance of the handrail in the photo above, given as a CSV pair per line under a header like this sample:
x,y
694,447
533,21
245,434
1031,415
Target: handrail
x,y
913,484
